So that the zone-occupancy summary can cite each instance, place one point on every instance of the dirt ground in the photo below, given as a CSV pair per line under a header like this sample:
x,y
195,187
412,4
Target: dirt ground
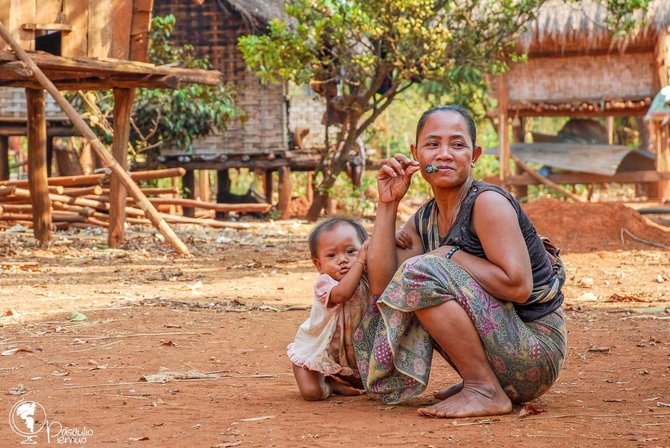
x,y
219,322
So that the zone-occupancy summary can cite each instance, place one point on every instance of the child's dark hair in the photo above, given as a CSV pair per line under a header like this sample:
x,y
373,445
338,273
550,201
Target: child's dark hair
x,y
331,223
448,108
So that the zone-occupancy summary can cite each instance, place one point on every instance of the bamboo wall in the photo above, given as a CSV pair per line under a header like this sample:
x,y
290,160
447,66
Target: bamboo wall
x,y
305,111
215,35
13,105
582,78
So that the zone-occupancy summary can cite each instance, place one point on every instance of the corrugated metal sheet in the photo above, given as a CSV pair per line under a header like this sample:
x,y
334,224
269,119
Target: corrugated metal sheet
x,y
660,107
595,159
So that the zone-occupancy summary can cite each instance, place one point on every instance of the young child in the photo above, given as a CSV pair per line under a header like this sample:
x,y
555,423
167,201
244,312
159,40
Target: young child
x,y
322,353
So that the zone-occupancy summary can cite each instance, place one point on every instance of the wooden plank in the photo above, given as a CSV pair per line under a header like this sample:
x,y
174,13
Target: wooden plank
x,y
89,179
75,43
139,29
22,11
99,29
46,27
37,169
5,11
122,14
123,105
48,11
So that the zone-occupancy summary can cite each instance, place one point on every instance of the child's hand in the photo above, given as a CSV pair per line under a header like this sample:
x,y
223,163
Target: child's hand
x,y
363,252
403,240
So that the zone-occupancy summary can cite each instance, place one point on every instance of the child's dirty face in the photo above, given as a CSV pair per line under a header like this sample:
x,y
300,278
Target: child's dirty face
x,y
337,250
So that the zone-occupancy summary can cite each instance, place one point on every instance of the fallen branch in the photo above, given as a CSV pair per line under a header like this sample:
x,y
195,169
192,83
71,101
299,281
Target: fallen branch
x,y
540,178
640,240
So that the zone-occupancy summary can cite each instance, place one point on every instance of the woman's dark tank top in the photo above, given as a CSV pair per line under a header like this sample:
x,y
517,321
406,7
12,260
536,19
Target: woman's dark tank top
x,y
463,235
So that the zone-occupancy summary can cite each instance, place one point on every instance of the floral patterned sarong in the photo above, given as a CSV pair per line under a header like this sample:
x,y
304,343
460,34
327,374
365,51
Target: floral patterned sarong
x,y
394,352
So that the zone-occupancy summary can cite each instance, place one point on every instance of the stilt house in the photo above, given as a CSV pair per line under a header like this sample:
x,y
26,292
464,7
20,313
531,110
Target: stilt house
x,y
577,68
88,45
281,129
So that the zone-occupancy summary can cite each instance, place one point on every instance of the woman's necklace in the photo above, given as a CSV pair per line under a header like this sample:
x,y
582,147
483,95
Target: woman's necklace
x,y
461,196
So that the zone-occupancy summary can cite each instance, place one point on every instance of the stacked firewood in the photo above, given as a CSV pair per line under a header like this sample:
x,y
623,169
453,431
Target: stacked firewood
x,y
84,201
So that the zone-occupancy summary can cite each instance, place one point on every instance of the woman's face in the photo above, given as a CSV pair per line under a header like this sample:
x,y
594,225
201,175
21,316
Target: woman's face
x,y
445,143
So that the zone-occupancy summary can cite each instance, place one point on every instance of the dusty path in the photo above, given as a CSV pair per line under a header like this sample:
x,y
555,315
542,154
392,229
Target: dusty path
x,y
224,313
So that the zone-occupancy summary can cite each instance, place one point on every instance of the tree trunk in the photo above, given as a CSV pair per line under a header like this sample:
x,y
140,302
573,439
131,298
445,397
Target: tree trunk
x,y
321,195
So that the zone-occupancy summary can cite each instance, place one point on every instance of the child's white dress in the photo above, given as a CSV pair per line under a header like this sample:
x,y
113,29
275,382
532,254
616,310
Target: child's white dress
x,y
324,341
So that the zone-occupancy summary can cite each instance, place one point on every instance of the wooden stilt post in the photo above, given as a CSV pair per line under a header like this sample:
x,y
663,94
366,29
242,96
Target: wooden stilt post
x,y
268,186
519,136
37,169
609,122
123,106
503,130
663,162
4,158
284,192
50,155
309,188
222,189
189,188
97,145
202,186
540,178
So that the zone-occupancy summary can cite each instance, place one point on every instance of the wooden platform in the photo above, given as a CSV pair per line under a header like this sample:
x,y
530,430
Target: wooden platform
x,y
97,74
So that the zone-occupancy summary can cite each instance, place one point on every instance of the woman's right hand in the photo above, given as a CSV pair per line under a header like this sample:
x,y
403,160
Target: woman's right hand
x,y
394,178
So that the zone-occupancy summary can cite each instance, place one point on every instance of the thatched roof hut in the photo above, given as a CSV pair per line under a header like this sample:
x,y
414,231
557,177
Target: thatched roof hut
x,y
272,111
583,26
257,13
577,68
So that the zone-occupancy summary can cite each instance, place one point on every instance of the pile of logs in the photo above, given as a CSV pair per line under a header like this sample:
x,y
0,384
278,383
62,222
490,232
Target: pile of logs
x,y
84,201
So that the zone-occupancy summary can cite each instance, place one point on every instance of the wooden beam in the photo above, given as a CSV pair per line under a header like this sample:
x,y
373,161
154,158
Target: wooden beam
x,y
663,162
123,106
223,208
540,178
503,129
609,122
90,179
99,148
627,177
37,169
519,136
4,158
63,70
46,27
284,193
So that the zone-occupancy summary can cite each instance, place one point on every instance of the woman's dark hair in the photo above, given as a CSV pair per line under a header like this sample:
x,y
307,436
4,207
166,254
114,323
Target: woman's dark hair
x,y
331,223
448,108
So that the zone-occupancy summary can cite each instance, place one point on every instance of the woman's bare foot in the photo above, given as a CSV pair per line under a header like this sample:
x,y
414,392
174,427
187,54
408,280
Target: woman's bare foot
x,y
339,388
450,391
471,401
